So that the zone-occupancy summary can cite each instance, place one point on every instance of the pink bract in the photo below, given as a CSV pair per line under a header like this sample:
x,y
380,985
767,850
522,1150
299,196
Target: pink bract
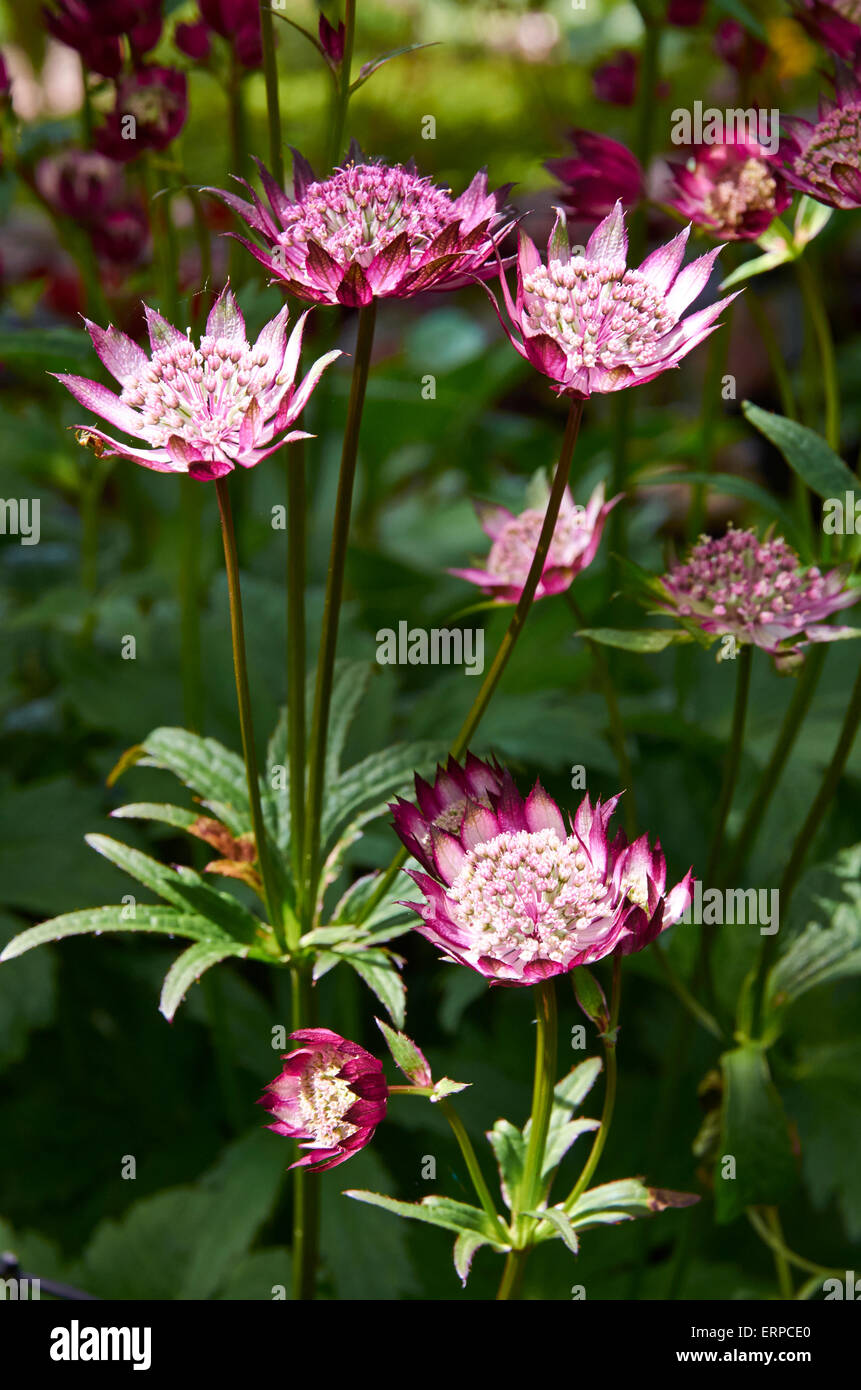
x,y
369,231
330,1096
575,541
200,410
590,324
600,173
517,896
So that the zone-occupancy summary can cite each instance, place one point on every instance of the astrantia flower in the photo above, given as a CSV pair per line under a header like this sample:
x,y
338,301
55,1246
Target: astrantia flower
x,y
824,159
592,325
200,410
238,21
600,173
735,190
513,894
739,48
370,230
157,100
93,28
575,540
759,592
331,1095
616,81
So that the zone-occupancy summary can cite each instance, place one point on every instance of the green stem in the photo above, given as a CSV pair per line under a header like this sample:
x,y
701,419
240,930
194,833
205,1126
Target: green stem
x,y
610,1082
617,728
733,761
342,92
730,776
332,605
482,1191
512,633
774,353
306,1186
296,648
781,1264
774,1240
273,106
793,719
716,367
243,696
191,499
544,1080
512,1274
812,295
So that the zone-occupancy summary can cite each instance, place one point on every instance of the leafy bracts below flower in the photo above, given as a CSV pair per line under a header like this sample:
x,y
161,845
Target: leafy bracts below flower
x,y
573,546
758,592
200,410
330,1096
591,324
369,231
515,896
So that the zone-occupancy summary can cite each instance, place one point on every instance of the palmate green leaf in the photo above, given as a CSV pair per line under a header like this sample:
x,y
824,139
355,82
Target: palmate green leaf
x,y
509,1147
806,452
561,1224
817,955
381,975
349,688
189,967
436,1211
754,1133
563,1130
206,767
637,640
388,912
165,921
375,780
183,888
623,1200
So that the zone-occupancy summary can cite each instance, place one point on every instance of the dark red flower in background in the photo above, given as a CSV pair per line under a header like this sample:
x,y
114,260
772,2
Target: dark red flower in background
x,y
150,111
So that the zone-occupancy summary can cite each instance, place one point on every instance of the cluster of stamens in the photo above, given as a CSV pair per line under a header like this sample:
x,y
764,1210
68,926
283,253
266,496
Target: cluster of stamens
x,y
513,551
528,894
741,189
201,394
600,315
362,208
324,1098
745,581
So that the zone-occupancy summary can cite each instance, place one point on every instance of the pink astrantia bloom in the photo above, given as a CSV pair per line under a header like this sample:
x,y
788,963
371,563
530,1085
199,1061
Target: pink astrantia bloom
x,y
734,190
759,592
590,324
516,895
575,541
369,231
331,1095
616,80
824,159
200,410
600,173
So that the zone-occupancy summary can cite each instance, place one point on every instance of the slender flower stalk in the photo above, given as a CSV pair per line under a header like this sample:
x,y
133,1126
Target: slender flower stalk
x,y
243,696
617,727
812,296
513,631
610,1080
332,605
273,101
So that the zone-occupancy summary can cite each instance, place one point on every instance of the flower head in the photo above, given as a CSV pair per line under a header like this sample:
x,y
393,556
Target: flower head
x,y
370,230
238,21
201,410
824,159
616,80
600,173
331,1095
92,190
94,29
575,540
739,48
590,324
757,591
735,190
156,100
512,893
